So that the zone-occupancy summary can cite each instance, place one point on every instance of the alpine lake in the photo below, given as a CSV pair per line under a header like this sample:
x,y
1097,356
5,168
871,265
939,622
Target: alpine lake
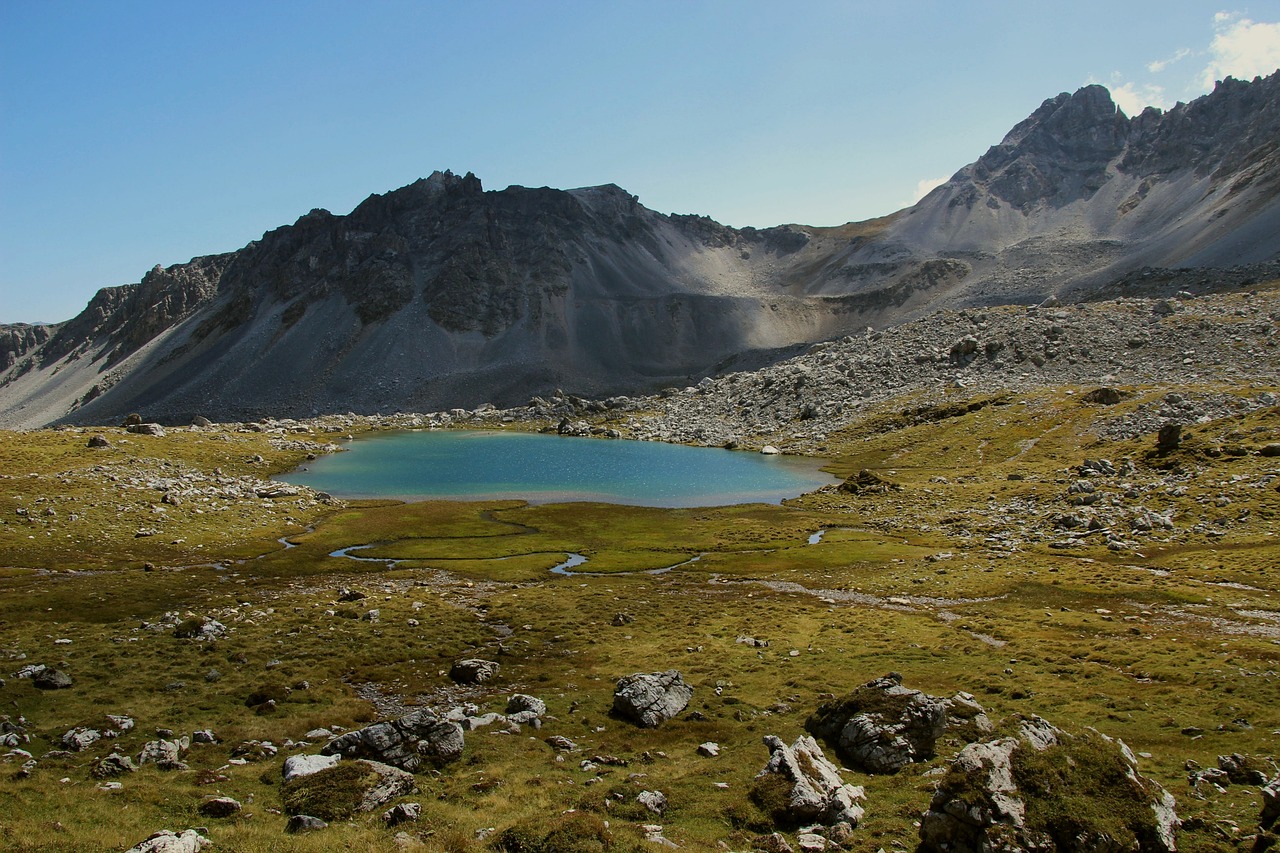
x,y
539,468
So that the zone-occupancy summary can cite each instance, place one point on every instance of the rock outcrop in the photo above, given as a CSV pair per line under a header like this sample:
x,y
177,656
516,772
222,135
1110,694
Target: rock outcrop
x,y
1048,790
800,786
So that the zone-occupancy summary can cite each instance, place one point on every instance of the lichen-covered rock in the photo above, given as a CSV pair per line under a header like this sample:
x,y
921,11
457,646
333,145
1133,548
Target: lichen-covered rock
x,y
882,726
799,786
1048,790
346,789
523,702
651,698
407,743
165,754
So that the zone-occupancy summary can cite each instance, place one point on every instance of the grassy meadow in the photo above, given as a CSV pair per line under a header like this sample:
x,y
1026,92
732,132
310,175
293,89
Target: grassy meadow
x,y
965,575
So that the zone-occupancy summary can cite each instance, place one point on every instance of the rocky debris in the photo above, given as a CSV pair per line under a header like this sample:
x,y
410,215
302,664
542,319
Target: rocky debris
x,y
166,841
81,738
304,765
112,765
219,807
882,726
411,742
51,679
1046,789
710,749
347,788
146,429
473,671
650,699
654,801
620,619
653,835
303,823
402,813
800,786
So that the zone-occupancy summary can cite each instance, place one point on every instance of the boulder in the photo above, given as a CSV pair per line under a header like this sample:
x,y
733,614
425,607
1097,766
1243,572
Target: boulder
x,y
651,698
165,754
1270,804
98,441
165,841
882,726
654,801
303,823
402,813
409,743
114,764
51,679
522,703
146,429
219,807
200,629
473,671
345,789
304,765
1046,789
800,786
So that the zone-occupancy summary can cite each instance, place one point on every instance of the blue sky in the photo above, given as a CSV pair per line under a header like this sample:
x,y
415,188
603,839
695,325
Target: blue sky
x,y
134,133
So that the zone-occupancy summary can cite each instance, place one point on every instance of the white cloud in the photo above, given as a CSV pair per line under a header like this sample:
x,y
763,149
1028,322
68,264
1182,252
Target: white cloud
x,y
1134,97
926,186
1242,48
1161,64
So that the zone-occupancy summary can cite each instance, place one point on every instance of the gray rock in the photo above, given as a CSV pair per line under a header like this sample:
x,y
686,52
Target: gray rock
x,y
304,765
560,743
98,441
219,807
402,813
1270,803
650,699
882,726
709,749
113,765
303,823
165,841
165,754
146,429
817,793
80,738
409,743
473,671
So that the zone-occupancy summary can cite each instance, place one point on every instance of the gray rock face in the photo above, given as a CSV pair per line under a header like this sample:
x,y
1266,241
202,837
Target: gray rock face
x,y
402,813
816,793
303,823
882,726
473,670
650,699
52,679
166,841
416,740
983,802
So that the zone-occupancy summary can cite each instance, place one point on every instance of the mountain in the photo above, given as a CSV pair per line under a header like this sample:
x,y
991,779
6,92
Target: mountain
x,y
440,294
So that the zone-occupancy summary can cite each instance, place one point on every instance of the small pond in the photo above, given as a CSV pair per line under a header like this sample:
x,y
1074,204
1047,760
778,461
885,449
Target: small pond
x,y
484,465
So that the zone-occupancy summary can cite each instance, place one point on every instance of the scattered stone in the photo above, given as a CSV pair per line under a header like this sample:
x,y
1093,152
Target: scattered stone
x,y
523,703
200,629
1169,438
560,743
710,749
800,786
867,482
650,699
165,754
205,736
146,429
774,843
1270,804
620,619
97,441
473,671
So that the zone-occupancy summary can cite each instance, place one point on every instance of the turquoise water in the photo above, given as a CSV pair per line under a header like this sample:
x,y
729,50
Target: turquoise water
x,y
482,465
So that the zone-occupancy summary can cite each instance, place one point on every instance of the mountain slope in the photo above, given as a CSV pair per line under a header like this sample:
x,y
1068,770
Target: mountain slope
x,y
440,294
